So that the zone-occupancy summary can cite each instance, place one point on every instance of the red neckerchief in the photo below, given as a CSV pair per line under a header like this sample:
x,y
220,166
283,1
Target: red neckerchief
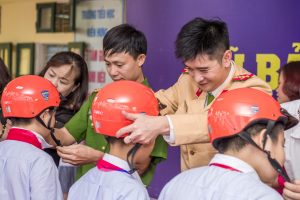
x,y
280,181
23,135
105,166
224,166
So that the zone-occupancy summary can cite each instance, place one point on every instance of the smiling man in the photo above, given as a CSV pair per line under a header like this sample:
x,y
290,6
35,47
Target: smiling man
x,y
203,45
125,50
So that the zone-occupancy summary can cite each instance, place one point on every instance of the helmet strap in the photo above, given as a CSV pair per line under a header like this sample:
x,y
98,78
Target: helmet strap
x,y
274,163
48,126
269,128
131,153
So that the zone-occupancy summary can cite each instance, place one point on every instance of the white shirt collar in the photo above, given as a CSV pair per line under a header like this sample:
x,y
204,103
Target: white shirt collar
x,y
40,138
218,91
116,161
234,162
121,164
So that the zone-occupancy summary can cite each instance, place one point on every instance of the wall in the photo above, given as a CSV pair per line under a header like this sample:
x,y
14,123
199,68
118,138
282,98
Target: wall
x,y
18,19
265,35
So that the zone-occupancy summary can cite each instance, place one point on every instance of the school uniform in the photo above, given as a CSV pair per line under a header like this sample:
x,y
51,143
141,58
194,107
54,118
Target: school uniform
x,y
26,171
226,178
109,180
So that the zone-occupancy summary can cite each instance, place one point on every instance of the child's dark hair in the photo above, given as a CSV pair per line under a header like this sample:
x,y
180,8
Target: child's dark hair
x,y
236,143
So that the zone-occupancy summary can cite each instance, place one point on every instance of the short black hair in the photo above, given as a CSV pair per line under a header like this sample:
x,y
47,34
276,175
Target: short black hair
x,y
236,143
201,36
16,121
124,38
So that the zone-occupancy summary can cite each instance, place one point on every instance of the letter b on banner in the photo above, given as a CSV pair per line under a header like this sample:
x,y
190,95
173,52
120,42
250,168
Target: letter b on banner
x,y
267,68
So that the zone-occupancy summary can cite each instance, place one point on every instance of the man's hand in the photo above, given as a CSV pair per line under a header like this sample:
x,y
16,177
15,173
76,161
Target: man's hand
x,y
144,129
291,191
79,154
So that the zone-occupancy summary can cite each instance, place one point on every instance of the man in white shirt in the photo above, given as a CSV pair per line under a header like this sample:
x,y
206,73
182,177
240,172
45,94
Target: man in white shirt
x,y
247,128
26,171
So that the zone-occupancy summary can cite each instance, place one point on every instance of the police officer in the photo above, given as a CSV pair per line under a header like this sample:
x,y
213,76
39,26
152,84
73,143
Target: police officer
x,y
203,45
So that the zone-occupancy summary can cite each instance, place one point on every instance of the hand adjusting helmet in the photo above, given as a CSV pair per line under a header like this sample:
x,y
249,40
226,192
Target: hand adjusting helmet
x,y
120,96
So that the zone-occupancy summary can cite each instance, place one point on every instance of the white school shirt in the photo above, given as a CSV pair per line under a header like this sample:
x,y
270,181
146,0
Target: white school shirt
x,y
27,172
109,185
292,142
217,183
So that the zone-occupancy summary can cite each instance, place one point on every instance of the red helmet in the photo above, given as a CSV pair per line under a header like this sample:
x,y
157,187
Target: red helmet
x,y
235,110
27,96
129,96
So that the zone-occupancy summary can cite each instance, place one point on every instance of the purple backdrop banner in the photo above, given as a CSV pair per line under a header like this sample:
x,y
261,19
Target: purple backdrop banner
x,y
264,35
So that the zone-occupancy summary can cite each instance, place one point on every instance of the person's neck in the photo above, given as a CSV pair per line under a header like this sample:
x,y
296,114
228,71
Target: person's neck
x,y
120,150
222,81
34,128
246,154
141,78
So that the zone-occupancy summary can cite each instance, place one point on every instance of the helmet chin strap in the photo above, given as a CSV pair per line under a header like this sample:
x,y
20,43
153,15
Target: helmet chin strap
x,y
48,126
131,153
274,163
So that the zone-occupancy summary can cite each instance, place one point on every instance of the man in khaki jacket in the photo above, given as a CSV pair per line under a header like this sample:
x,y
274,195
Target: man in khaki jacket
x,y
203,45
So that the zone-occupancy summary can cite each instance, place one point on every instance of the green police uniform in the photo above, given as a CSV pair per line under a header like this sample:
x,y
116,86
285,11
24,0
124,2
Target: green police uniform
x,y
80,127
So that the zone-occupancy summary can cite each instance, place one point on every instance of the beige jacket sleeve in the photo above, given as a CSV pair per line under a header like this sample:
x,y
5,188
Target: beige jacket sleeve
x,y
181,99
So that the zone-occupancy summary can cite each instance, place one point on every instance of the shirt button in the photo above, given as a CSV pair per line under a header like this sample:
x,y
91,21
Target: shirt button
x,y
192,152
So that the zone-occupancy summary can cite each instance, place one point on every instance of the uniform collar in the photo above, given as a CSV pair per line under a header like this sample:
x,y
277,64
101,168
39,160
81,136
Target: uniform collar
x,y
116,161
40,138
219,90
121,164
145,82
235,163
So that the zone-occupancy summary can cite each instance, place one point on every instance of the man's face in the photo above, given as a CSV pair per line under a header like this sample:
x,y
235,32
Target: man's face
x,y
122,66
208,73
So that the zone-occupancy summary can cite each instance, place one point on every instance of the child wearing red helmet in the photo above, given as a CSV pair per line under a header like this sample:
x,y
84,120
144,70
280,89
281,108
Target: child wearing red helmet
x,y
27,172
247,127
115,176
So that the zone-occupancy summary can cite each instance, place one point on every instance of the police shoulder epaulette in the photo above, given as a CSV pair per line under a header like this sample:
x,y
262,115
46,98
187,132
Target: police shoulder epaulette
x,y
242,77
185,70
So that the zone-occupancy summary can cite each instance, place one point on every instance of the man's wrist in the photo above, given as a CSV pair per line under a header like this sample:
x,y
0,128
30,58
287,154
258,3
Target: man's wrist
x,y
97,155
170,135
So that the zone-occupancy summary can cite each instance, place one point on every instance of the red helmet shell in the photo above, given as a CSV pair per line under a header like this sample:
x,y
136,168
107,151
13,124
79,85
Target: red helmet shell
x,y
234,110
120,96
27,96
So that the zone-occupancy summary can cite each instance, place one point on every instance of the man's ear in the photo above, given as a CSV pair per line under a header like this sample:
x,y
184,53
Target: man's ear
x,y
141,59
227,57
